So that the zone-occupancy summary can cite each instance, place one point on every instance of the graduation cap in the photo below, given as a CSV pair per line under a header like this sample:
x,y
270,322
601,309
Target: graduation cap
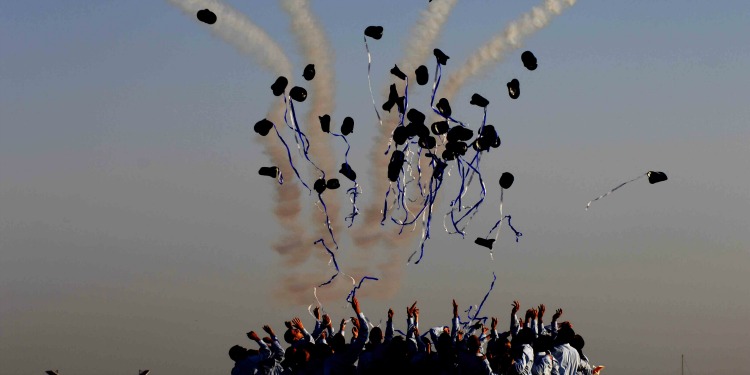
x,y
374,32
325,123
398,73
437,171
479,100
348,172
486,139
448,154
460,133
440,127
400,135
320,185
529,60
401,104
444,107
441,57
272,172
298,94
333,184
428,142
506,180
348,126
654,177
279,86
262,127
394,166
206,16
309,72
485,242
423,75
457,148
415,116
513,89
392,98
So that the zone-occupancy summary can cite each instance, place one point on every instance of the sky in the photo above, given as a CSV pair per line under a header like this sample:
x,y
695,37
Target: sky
x,y
136,233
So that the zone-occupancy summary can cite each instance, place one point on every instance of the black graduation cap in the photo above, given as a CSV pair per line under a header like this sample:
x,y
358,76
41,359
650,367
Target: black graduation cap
x,y
444,107
428,142
486,139
440,127
437,172
374,32
333,184
206,16
400,135
401,104
298,94
325,123
309,72
513,89
394,166
485,242
506,180
423,75
479,100
272,172
654,177
279,86
419,130
459,133
441,57
392,98
529,60
262,127
320,185
457,148
415,116
348,172
348,126
448,154
398,73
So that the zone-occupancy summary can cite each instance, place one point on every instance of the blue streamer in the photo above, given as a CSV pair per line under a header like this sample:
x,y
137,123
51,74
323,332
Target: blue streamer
x,y
305,141
517,233
333,258
353,191
369,81
328,220
353,293
492,286
289,155
436,84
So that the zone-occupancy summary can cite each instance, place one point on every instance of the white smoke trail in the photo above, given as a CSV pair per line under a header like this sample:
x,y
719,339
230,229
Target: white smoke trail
x,y
316,50
418,49
236,29
241,33
510,39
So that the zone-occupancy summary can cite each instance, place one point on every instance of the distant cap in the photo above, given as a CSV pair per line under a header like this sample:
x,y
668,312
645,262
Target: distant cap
x,y
279,86
348,172
423,75
485,242
529,60
479,100
415,116
394,166
460,133
506,180
333,184
272,172
398,73
400,135
262,127
298,94
441,57
444,107
320,185
347,126
374,32
440,127
654,177
206,16
513,89
309,72
428,142
325,123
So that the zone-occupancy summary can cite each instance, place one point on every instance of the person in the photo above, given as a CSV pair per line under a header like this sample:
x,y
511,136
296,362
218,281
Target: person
x,y
544,362
472,361
247,362
341,362
568,359
371,361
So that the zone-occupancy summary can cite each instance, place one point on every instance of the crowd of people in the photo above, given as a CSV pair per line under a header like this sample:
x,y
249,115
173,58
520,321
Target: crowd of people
x,y
464,348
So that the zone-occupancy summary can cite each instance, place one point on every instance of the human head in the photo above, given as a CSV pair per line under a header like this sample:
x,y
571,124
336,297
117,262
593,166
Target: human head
x,y
376,335
473,344
237,353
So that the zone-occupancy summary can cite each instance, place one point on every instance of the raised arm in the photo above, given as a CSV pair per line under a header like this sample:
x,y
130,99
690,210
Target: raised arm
x,y
454,325
364,330
297,322
389,327
514,319
263,350
276,350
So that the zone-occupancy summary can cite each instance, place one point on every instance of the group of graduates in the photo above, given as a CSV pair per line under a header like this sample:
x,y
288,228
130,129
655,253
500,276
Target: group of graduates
x,y
467,348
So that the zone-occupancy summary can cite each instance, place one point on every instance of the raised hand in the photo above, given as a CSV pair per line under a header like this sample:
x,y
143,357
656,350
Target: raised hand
x,y
342,326
355,305
542,309
326,320
316,312
297,323
558,314
355,321
534,313
269,330
390,314
455,309
355,332
288,324
516,307
253,336
493,323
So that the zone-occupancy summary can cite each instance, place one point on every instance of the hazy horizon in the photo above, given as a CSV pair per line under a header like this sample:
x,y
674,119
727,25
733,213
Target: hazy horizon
x,y
136,233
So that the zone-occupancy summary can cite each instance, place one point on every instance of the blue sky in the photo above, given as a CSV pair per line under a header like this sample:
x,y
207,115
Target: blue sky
x,y
132,217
